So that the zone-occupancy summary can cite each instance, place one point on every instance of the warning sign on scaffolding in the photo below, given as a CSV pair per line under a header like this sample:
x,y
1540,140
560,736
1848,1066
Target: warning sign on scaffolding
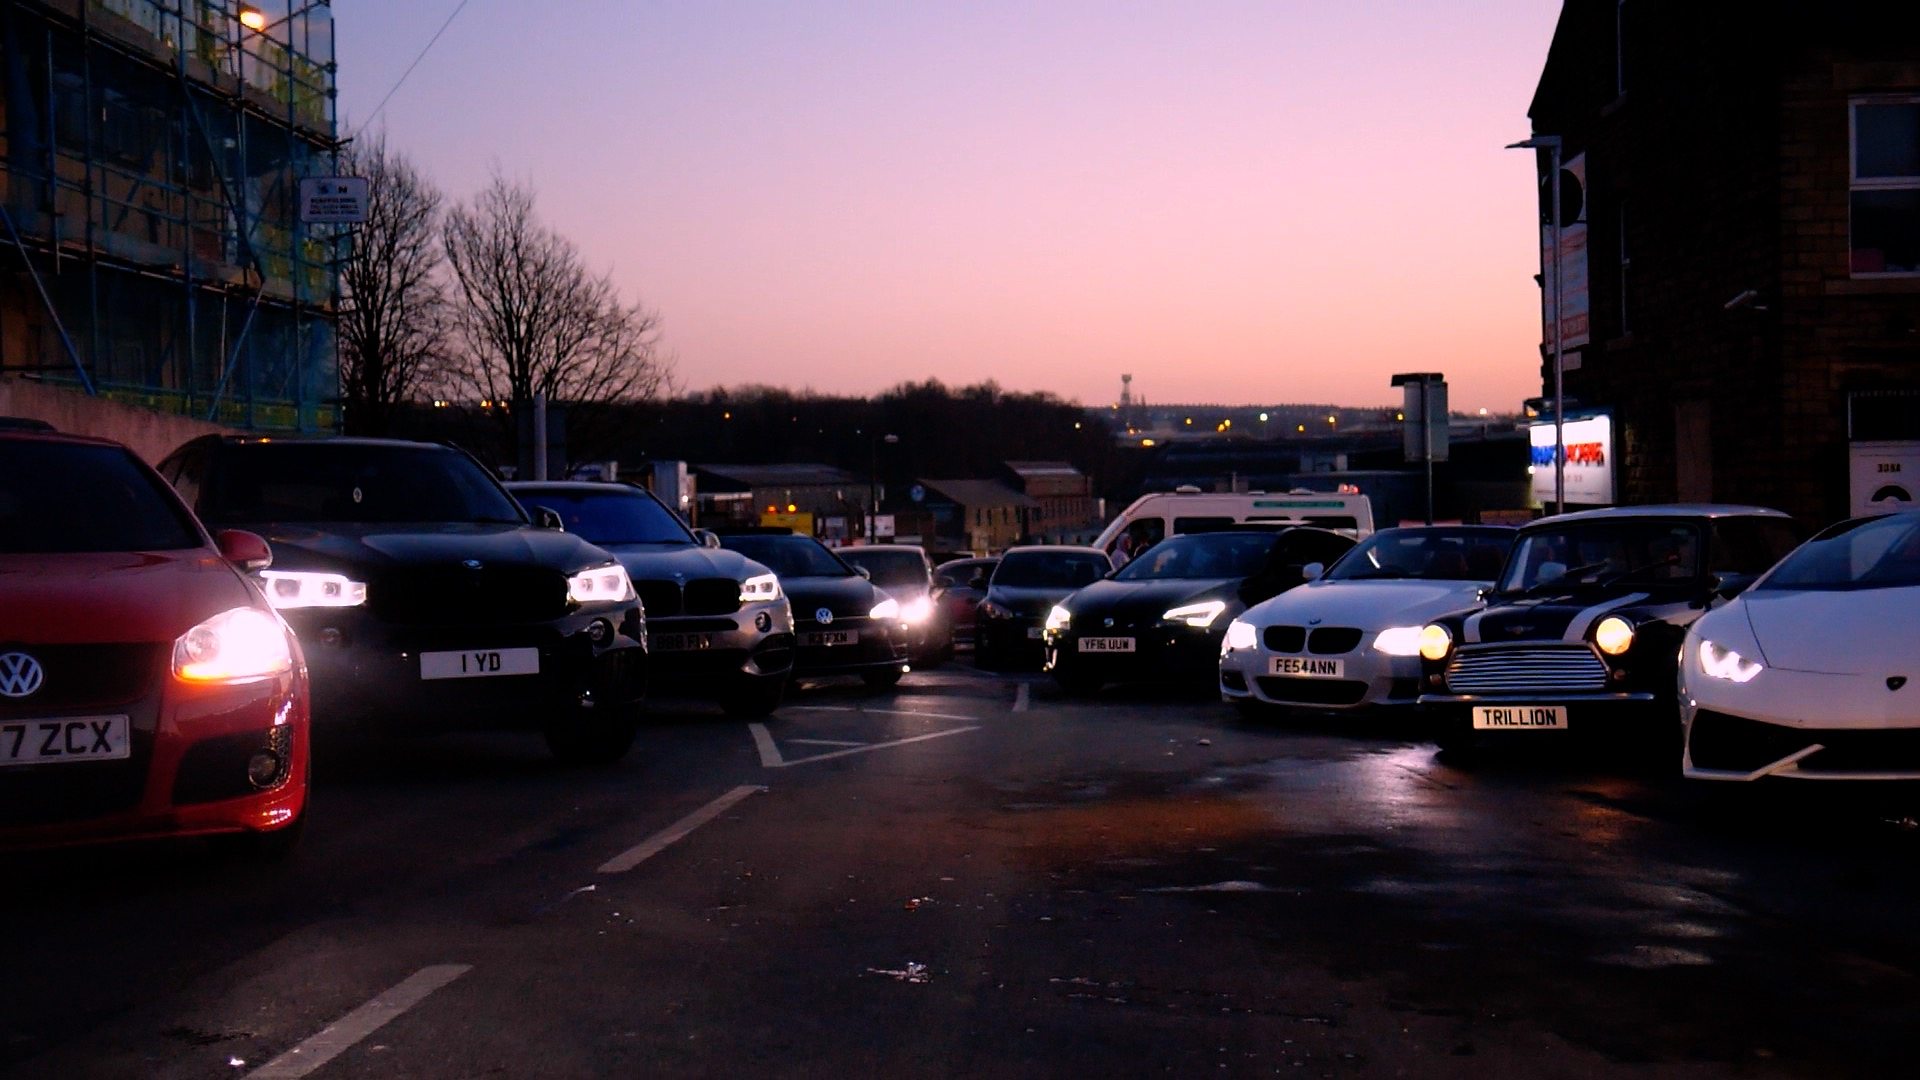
x,y
333,200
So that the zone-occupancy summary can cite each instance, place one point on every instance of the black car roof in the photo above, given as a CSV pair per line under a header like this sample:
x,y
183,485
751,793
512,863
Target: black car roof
x,y
583,486
1661,510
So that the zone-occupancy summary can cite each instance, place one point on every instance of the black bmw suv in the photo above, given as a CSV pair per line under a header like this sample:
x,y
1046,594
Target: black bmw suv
x,y
423,595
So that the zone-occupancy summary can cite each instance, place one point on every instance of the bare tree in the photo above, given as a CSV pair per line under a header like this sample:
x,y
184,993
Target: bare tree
x,y
535,320
394,317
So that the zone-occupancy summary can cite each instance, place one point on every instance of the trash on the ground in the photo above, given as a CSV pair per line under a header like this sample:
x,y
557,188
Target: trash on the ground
x,y
914,903
1206,742
913,973
236,1063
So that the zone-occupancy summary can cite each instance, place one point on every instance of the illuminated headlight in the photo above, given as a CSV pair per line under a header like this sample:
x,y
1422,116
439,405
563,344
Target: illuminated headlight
x,y
299,589
759,589
1435,641
1241,635
885,609
1399,640
602,584
1717,662
917,610
1614,635
1058,619
1199,615
241,645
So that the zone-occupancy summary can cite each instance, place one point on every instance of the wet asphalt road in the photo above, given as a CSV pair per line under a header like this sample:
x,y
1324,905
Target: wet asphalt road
x,y
972,875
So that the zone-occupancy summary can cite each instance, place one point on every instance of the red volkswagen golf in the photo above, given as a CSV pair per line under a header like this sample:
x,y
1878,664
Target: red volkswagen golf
x,y
146,686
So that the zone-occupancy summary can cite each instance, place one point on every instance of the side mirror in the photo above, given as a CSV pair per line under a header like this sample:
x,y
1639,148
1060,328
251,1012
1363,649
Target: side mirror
x,y
546,517
244,549
707,537
1312,571
1728,585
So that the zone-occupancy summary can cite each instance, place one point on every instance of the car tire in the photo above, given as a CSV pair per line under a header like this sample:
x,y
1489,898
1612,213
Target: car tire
x,y
592,737
754,699
881,680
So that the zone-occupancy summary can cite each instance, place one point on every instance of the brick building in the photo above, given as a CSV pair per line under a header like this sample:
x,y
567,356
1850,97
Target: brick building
x,y
1064,496
1740,246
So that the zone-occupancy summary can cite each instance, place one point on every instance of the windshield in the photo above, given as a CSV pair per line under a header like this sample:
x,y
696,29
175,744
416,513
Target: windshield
x,y
351,482
891,567
1641,551
1447,554
1871,553
66,497
1205,555
1050,569
618,515
788,556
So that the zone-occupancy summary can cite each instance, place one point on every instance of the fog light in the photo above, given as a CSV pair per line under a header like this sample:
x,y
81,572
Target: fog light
x,y
331,635
263,768
763,622
599,631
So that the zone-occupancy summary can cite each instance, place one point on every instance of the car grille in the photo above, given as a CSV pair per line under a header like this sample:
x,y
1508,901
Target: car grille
x,y
1737,744
705,596
89,676
490,595
49,794
1526,669
1313,691
1286,638
1325,640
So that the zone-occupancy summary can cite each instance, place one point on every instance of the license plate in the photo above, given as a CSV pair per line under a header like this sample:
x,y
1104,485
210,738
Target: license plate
x,y
1519,717
479,663
1106,644
1034,633
70,738
1307,667
830,637
680,642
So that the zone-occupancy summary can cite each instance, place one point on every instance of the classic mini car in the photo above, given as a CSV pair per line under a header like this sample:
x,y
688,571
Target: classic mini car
x,y
1021,591
1582,632
146,686
905,572
718,625
1813,673
843,623
958,587
423,596
1351,638
1163,615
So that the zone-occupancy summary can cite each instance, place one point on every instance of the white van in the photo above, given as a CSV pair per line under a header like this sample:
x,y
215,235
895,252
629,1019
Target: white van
x,y
1155,517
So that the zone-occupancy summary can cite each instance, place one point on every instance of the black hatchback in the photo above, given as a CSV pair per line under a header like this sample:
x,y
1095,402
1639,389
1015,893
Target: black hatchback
x,y
843,623
423,595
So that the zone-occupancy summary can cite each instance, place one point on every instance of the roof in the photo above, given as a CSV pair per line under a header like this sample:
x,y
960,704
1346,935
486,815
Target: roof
x,y
1662,510
979,492
786,474
1043,468
855,549
585,487
51,435
1053,549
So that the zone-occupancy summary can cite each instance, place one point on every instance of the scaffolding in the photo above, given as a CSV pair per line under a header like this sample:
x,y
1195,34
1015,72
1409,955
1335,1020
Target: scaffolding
x,y
151,154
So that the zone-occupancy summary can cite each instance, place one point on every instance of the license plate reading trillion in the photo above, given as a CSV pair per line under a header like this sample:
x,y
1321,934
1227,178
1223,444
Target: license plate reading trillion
x,y
1519,717
479,663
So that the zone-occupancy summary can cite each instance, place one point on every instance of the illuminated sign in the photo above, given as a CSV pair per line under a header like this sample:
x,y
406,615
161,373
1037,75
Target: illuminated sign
x,y
1589,461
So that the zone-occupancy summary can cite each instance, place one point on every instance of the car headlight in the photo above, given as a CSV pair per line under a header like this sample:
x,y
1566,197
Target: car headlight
x,y
1241,635
1399,640
236,646
1718,662
602,584
886,609
1199,615
1614,635
1436,641
917,610
760,588
302,589
1058,619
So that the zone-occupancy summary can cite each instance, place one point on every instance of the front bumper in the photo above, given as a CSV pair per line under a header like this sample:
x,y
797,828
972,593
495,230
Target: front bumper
x,y
368,671
1793,725
1364,678
714,655
1011,644
1518,716
874,645
1160,653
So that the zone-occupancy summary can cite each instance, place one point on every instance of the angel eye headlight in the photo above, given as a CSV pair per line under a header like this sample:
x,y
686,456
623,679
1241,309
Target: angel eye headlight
x,y
1719,662
602,584
1199,615
760,588
303,589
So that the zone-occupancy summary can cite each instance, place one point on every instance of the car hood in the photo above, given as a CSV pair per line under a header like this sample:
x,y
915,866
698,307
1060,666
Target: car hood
x,y
1857,632
373,548
687,562
1147,600
1368,605
119,597
1029,600
845,597
1563,617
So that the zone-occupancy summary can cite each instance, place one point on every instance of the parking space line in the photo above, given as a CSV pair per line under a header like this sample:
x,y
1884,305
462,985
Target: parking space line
x,y
826,742
1020,697
676,832
770,752
340,1036
881,712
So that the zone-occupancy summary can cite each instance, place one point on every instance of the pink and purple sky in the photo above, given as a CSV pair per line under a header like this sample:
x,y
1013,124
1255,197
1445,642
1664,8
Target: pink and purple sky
x,y
1236,202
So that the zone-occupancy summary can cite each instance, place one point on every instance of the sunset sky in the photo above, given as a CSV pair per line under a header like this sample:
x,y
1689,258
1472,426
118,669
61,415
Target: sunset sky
x,y
1250,202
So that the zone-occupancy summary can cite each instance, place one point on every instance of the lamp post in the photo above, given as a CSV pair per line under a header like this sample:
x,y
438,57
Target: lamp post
x,y
1552,145
873,480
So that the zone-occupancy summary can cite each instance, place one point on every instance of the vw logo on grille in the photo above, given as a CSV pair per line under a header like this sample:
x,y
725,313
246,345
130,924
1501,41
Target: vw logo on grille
x,y
824,615
471,564
20,674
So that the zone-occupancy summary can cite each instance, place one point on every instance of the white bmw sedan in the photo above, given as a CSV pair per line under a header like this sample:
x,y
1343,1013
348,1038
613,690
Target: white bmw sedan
x,y
1813,673
1352,638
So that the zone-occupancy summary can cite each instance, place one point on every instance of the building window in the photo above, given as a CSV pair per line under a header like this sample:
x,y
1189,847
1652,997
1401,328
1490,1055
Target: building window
x,y
1884,207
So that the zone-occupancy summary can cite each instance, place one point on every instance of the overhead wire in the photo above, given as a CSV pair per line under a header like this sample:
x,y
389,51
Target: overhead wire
x,y
457,9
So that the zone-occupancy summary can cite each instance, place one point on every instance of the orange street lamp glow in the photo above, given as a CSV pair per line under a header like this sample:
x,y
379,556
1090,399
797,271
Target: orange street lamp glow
x,y
252,18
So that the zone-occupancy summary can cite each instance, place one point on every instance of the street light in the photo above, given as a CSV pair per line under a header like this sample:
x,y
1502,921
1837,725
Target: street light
x,y
873,481
1552,145
253,18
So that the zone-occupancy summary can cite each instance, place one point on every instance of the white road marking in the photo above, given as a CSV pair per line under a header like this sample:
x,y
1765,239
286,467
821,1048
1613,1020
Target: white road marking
x,y
676,832
1020,697
770,753
881,712
342,1034
826,742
